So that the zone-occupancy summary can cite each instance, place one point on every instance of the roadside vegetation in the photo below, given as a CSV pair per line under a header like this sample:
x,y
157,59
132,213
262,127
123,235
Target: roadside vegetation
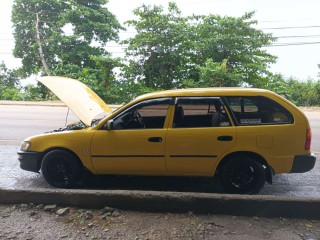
x,y
167,50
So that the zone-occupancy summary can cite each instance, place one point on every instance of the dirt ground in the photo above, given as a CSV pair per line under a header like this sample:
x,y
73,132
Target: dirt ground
x,y
28,221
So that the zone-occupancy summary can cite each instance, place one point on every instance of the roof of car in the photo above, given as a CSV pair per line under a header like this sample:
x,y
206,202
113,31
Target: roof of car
x,y
222,91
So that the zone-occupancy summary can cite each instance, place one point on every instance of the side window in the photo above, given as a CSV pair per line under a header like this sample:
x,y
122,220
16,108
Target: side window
x,y
258,110
199,112
146,114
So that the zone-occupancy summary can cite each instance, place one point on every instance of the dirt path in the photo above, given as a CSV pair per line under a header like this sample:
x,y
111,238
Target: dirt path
x,y
27,221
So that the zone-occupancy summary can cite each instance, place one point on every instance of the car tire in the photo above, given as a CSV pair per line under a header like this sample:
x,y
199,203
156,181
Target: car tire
x,y
61,169
242,175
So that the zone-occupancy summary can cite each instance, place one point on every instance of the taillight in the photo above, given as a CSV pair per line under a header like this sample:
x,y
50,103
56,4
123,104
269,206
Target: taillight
x,y
308,140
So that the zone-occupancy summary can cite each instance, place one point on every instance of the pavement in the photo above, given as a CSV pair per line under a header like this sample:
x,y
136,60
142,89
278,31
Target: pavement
x,y
158,201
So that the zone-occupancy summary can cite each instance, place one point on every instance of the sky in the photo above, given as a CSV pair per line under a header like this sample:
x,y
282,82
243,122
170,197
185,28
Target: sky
x,y
295,22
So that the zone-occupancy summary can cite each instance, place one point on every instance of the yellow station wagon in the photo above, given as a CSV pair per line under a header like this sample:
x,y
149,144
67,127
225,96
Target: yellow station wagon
x,y
243,135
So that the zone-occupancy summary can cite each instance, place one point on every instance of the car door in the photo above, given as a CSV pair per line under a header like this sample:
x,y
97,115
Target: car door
x,y
267,128
201,133
135,140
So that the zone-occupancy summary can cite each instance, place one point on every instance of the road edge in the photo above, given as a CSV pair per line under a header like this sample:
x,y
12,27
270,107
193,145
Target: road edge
x,y
43,103
154,201
58,103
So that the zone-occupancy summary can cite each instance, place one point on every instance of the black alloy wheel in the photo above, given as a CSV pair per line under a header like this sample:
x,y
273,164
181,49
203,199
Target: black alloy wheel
x,y
242,175
61,169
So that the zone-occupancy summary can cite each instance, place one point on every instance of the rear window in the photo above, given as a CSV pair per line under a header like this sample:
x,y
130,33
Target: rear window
x,y
258,110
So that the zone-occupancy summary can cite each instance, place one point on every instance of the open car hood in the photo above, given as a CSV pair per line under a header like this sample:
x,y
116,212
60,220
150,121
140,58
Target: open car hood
x,y
82,101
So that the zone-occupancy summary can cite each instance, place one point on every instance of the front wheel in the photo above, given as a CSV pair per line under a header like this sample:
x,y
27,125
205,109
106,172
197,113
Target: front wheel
x,y
242,175
61,169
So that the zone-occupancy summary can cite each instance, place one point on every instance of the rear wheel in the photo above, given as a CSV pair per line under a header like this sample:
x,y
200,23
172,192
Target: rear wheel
x,y
61,169
242,175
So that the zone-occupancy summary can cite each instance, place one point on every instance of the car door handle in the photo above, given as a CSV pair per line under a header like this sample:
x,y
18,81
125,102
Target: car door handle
x,y
225,138
155,139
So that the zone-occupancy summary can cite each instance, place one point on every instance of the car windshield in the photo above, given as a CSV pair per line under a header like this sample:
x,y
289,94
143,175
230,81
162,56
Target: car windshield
x,y
98,118
103,115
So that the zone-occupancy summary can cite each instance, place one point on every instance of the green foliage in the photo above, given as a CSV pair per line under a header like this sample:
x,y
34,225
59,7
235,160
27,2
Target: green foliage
x,y
23,18
277,83
304,93
14,94
88,20
237,40
91,20
73,55
9,84
102,80
156,55
301,93
168,51
171,51
214,74
8,78
32,93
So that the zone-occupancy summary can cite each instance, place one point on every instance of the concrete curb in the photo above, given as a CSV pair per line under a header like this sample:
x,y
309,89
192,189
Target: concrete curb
x,y
238,205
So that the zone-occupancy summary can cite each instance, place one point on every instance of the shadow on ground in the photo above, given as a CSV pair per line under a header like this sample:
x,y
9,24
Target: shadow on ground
x,y
176,184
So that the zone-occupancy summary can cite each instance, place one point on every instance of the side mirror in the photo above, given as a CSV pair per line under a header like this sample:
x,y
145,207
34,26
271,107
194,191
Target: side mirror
x,y
109,125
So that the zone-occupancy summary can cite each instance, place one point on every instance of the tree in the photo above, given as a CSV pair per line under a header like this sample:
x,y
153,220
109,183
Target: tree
x,y
102,79
8,78
43,41
304,93
215,74
9,84
156,54
236,40
32,20
170,51
279,84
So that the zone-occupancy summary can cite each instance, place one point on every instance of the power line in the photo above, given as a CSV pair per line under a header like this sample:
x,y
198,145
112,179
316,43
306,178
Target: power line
x,y
274,45
293,44
298,36
294,36
267,28
286,20
291,27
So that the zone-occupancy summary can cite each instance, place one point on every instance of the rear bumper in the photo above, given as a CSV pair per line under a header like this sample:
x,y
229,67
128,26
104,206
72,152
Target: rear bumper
x,y
30,161
303,163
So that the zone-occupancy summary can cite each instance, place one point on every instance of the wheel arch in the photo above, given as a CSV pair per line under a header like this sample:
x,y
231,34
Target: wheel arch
x,y
255,156
63,149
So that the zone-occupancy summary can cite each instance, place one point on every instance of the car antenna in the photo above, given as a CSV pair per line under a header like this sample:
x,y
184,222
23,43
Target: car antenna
x,y
67,117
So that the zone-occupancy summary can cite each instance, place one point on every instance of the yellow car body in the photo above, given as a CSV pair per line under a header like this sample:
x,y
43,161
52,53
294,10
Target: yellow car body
x,y
218,130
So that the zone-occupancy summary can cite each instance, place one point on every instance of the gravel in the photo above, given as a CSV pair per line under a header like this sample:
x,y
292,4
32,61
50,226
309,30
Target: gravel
x,y
29,221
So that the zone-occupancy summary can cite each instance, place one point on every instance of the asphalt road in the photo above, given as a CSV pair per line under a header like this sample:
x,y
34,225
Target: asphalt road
x,y
314,119
18,122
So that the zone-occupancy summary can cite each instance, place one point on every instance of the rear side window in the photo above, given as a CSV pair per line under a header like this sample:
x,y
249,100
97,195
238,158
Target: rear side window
x,y
195,112
258,110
